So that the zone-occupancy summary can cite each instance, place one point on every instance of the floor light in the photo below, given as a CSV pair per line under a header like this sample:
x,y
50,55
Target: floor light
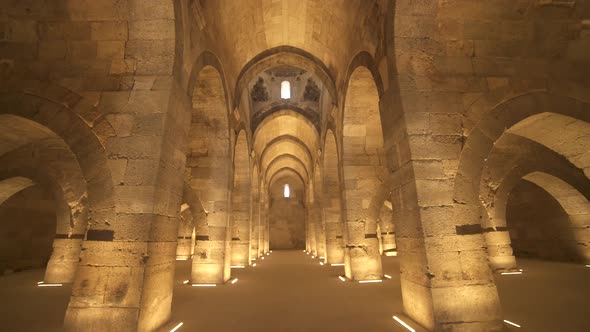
x,y
186,282
177,327
238,267
253,265
369,281
511,323
234,281
341,278
49,285
339,264
391,253
321,263
403,323
508,273
387,276
204,285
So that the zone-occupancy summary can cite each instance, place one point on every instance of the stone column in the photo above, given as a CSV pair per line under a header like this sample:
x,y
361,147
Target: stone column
x,y
363,248
387,230
185,245
320,231
334,237
312,235
255,230
64,259
500,251
266,230
67,244
240,239
210,250
262,226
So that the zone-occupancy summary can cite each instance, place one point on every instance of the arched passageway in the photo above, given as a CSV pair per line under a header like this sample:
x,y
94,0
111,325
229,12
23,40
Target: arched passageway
x,y
287,212
209,166
158,138
362,162
240,214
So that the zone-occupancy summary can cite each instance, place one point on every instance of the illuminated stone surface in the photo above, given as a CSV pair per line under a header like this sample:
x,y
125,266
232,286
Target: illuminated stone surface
x,y
158,129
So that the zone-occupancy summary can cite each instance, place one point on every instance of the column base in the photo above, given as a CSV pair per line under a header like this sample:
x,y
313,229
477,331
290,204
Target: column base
x,y
365,261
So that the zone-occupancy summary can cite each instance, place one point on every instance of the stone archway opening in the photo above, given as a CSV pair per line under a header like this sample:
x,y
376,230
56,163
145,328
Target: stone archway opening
x,y
547,218
287,214
362,161
208,168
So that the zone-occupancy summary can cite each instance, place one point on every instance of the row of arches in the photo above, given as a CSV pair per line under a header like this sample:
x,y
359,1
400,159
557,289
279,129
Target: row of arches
x,y
355,206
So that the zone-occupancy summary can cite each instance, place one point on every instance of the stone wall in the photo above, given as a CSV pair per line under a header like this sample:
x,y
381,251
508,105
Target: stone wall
x,y
287,223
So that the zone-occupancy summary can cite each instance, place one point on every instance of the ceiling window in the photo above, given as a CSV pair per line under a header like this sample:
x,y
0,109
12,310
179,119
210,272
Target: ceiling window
x,y
285,90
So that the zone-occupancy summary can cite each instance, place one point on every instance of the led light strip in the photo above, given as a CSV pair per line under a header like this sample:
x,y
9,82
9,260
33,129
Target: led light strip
x,y
204,285
387,276
177,327
186,282
234,281
403,324
508,273
182,259
49,285
238,267
341,278
338,264
511,323
369,281
391,253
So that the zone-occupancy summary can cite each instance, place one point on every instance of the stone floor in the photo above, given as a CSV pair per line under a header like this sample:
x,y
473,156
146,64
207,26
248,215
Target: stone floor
x,y
290,291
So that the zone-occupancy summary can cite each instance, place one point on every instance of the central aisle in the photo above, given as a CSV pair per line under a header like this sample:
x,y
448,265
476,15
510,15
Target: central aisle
x,y
287,291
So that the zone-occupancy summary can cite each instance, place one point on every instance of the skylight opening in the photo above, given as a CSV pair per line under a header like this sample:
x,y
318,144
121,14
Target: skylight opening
x,y
285,90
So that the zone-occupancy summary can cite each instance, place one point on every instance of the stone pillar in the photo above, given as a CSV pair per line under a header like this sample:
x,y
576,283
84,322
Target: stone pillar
x,y
240,239
500,251
388,241
334,243
312,236
64,259
262,227
495,232
320,231
365,260
209,259
255,230
387,230
266,231
67,244
185,245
